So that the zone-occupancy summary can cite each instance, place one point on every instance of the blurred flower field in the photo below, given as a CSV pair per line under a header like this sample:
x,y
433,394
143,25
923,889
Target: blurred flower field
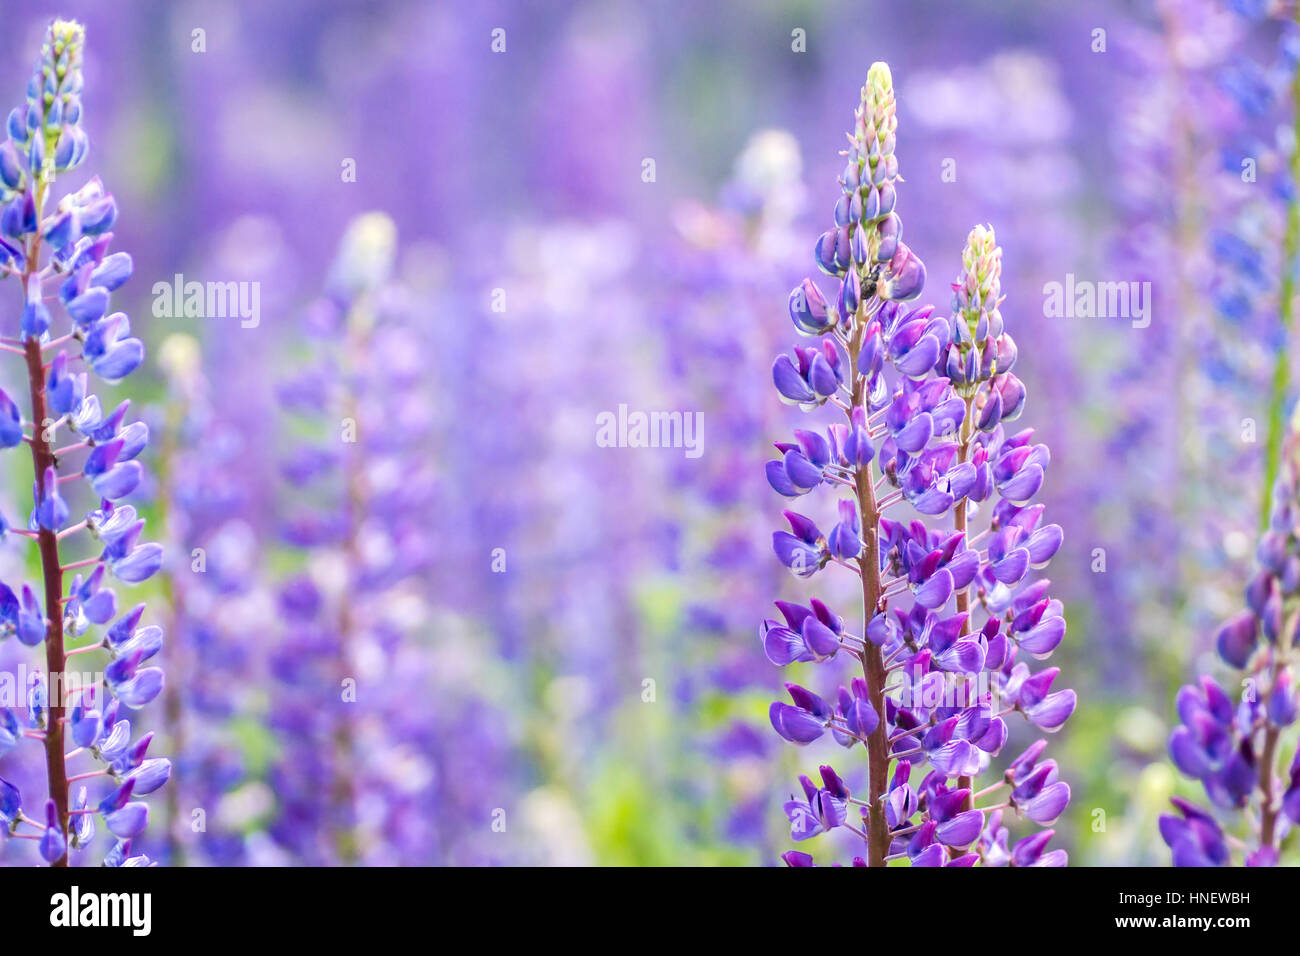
x,y
461,359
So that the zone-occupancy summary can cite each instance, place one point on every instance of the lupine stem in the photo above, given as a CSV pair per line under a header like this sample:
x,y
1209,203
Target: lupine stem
x,y
52,570
344,744
1268,800
873,664
1268,803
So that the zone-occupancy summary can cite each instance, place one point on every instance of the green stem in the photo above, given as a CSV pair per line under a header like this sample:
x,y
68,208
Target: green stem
x,y
1286,313
174,595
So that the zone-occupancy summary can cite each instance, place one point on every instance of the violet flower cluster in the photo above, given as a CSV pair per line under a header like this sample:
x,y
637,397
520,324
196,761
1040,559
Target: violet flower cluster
x,y
1200,109
926,399
1167,137
215,609
59,251
350,669
1255,291
1236,749
1195,393
748,241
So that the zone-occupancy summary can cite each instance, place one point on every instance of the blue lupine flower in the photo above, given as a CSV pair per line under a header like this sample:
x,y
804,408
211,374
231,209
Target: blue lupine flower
x,y
132,685
92,602
45,139
83,826
123,817
53,842
367,331
138,564
32,625
85,722
11,802
150,775
1232,749
11,427
9,731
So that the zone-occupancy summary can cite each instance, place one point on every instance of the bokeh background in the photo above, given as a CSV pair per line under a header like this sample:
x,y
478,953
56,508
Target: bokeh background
x,y
556,652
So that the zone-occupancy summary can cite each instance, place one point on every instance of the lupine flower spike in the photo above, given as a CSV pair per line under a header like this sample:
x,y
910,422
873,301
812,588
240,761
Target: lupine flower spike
x,y
62,247
1236,749
361,501
956,614
201,499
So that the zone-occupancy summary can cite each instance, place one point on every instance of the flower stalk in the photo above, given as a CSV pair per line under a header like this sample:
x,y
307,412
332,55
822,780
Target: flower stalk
x,y
43,462
70,245
927,400
1281,384
1235,750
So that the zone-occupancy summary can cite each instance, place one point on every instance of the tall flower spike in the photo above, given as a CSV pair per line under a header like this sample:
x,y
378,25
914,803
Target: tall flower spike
x,y
1235,749
201,495
925,400
45,135
67,249
363,499
747,233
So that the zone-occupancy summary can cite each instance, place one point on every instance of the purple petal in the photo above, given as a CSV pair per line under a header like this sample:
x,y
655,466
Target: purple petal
x,y
1049,804
795,725
962,830
1052,711
935,592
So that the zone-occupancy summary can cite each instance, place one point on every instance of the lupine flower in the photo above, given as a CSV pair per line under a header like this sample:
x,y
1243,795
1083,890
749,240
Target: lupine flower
x,y
1235,748
63,247
721,569
1252,235
930,434
1211,258
565,612
214,608
362,524
1255,237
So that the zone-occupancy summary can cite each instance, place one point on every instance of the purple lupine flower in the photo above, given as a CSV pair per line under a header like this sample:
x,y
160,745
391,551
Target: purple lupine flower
x,y
746,235
346,666
1235,748
214,609
1255,234
1214,258
931,436
66,249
